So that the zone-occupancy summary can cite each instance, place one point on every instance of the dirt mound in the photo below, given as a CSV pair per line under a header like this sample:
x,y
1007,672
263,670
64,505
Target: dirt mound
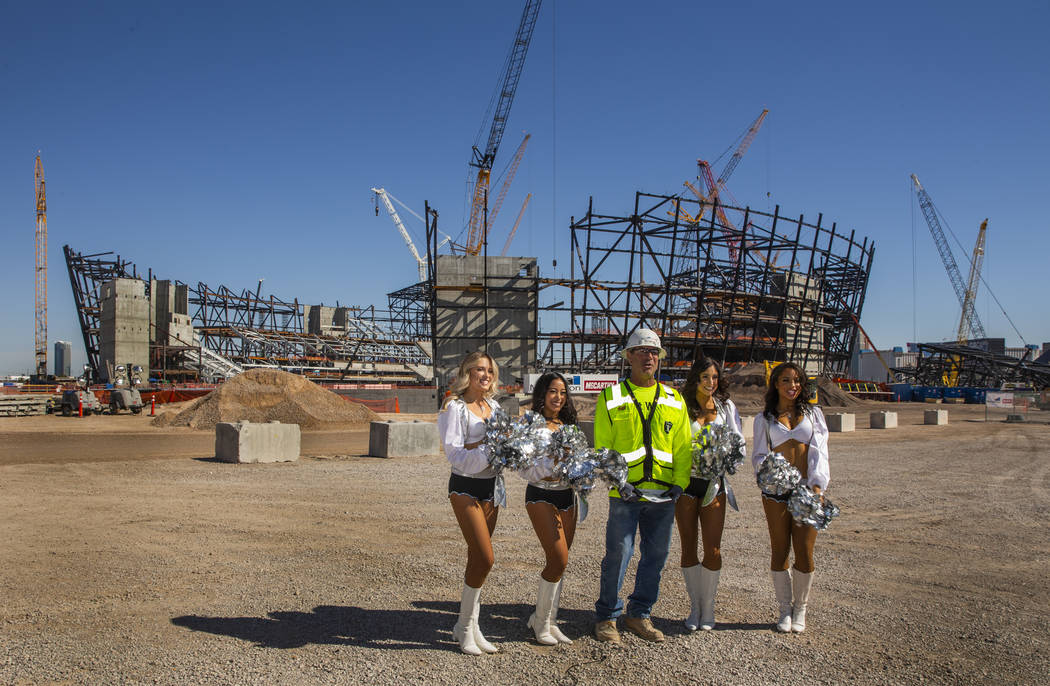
x,y
265,395
830,395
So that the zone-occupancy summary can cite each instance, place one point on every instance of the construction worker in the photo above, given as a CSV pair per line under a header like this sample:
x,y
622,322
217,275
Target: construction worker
x,y
648,424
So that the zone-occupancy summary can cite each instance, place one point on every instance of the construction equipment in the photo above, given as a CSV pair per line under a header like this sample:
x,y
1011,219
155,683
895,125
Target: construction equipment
x,y
41,272
514,229
125,393
508,177
482,160
421,264
970,320
976,262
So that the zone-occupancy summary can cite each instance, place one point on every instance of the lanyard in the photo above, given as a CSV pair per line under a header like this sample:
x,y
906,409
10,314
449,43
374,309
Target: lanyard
x,y
647,429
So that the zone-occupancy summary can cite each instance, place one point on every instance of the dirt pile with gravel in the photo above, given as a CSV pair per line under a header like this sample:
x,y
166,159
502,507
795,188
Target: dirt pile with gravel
x,y
265,395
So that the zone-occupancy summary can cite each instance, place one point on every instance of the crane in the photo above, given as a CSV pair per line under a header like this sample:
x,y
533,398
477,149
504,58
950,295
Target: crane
x,y
969,315
41,273
381,194
972,283
482,160
508,177
742,148
514,229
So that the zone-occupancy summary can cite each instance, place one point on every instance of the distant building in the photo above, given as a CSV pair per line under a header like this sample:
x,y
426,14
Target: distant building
x,y
869,368
63,350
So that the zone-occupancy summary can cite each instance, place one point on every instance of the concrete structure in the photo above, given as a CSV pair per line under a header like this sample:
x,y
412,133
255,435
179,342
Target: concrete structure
x,y
418,400
883,420
403,439
63,365
245,442
485,304
322,320
747,427
124,326
935,417
868,367
841,422
171,321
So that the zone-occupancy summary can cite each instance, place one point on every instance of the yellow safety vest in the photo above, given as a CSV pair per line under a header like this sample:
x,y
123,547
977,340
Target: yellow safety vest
x,y
619,426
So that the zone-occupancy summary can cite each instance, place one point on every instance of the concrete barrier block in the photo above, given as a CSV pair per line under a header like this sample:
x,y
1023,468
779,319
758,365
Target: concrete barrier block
x,y
935,417
884,420
842,421
747,427
403,439
245,442
587,427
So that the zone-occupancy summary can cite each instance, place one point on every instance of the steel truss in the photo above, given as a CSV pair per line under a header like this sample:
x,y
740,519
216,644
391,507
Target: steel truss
x,y
940,363
707,285
247,330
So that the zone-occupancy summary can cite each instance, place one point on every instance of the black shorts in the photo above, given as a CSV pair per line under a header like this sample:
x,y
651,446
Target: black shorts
x,y
478,489
778,498
697,488
561,499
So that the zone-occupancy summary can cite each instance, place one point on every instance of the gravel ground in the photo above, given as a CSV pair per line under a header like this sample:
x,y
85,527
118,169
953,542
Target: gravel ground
x,y
347,570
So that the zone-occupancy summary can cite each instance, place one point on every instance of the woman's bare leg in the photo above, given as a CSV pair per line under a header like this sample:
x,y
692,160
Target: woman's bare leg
x,y
477,521
686,516
712,522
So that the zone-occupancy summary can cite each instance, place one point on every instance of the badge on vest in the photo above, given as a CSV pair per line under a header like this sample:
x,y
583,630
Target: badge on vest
x,y
668,426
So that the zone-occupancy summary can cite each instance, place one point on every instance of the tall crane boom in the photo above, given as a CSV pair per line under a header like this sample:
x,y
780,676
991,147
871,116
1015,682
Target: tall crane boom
x,y
941,241
41,272
483,160
421,264
742,148
976,262
512,170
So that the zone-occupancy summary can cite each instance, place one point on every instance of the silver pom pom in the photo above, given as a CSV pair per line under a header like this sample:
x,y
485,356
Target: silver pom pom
x,y
807,509
717,451
777,476
516,443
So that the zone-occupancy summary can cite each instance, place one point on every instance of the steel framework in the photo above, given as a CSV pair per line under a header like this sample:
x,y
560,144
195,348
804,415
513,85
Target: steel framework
x,y
705,285
972,367
233,330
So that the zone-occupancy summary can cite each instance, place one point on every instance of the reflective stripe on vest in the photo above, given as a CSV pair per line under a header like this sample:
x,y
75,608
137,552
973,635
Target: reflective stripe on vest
x,y
617,399
635,457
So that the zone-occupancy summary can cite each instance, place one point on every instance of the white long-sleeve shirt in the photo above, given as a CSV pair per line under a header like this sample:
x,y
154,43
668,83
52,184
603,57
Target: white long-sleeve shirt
x,y
457,426
727,414
811,430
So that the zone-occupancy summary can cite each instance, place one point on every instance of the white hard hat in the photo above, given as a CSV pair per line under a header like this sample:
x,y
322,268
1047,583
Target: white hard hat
x,y
644,338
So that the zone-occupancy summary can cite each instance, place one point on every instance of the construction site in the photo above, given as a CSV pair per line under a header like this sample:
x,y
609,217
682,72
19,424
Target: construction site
x,y
138,552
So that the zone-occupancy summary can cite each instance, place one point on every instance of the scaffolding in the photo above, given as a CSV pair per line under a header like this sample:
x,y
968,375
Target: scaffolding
x,y
682,267
233,330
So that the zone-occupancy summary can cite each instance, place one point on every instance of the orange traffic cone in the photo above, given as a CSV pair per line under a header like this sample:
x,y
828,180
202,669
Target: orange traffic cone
x,y
397,405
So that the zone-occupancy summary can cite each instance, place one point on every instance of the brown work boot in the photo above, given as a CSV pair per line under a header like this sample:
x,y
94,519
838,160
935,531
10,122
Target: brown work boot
x,y
606,631
642,628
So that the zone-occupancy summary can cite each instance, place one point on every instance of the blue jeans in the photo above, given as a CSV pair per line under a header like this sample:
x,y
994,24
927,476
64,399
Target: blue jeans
x,y
654,522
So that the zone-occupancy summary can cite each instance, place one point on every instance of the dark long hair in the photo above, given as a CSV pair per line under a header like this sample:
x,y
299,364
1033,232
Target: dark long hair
x,y
802,405
567,415
692,380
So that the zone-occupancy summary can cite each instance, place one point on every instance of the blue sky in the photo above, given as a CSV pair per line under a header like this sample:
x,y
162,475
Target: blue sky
x,y
227,142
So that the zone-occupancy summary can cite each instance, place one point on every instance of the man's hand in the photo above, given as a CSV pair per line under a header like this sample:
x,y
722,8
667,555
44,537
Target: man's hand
x,y
673,492
629,494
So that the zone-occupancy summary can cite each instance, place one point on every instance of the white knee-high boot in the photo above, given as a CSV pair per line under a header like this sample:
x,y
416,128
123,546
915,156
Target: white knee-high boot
x,y
691,575
555,631
467,631
708,591
800,584
782,587
540,620
463,631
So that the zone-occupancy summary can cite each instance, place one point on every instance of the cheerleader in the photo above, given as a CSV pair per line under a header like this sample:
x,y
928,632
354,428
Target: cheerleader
x,y
474,489
552,508
791,426
707,399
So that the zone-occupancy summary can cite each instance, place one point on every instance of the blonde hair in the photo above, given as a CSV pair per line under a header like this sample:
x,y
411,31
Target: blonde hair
x,y
462,382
